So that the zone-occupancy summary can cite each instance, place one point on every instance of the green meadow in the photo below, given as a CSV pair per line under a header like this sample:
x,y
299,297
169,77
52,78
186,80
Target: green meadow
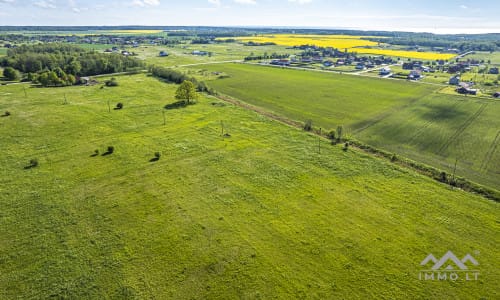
x,y
182,54
256,214
410,119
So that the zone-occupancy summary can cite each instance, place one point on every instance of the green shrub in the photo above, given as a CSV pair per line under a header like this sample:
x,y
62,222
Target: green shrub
x,y
111,82
308,125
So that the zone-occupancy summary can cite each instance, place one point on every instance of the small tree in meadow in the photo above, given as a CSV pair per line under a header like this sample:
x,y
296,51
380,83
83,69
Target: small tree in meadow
x,y
186,92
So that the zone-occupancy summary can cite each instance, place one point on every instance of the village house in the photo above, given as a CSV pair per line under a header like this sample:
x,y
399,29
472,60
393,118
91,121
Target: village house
x,y
385,71
454,80
494,70
163,53
415,75
200,53
465,88
280,62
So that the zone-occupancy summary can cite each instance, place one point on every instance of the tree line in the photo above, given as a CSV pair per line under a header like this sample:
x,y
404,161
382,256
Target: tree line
x,y
64,60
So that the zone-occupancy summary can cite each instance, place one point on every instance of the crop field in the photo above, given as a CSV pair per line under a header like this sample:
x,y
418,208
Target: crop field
x,y
441,129
257,214
182,54
353,43
373,110
337,41
494,57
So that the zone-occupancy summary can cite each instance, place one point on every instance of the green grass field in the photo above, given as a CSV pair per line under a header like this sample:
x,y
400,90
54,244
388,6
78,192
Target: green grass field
x,y
411,119
493,57
259,214
181,54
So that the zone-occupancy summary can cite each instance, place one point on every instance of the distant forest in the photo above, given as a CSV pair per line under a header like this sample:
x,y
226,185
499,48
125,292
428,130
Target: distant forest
x,y
62,60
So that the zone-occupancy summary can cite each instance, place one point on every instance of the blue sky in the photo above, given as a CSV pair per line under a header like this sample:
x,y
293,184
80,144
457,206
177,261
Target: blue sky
x,y
439,16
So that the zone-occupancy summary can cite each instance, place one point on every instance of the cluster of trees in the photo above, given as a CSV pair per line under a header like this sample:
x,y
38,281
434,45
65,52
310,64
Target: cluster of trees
x,y
11,74
169,75
70,59
57,77
462,45
174,76
266,56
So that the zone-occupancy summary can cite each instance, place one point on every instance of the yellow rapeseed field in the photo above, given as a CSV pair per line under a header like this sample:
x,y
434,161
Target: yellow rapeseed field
x,y
336,41
349,42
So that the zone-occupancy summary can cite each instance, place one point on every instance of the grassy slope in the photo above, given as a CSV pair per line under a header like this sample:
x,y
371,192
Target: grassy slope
x,y
409,119
257,215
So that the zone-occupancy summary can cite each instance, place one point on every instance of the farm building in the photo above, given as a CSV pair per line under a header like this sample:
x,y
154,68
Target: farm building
x,y
493,70
163,53
454,80
496,95
360,66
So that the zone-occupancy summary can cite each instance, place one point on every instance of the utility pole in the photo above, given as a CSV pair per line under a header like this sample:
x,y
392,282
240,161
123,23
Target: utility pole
x,y
222,128
164,121
319,141
24,89
455,169
109,107
65,99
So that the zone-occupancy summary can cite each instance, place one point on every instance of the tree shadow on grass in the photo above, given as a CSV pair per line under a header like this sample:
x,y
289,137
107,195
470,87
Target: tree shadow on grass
x,y
154,159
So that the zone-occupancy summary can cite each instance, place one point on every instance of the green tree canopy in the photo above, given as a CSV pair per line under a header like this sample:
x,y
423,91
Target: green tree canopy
x,y
10,74
186,91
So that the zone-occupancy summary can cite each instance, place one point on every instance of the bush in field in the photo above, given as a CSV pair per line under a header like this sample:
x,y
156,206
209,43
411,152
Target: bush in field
x,y
340,130
119,105
112,82
11,74
32,164
157,155
346,147
308,125
332,135
111,149
443,177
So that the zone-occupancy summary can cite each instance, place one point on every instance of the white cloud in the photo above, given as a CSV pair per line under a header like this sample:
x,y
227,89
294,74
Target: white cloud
x,y
144,3
215,2
6,1
463,6
246,1
300,1
45,4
